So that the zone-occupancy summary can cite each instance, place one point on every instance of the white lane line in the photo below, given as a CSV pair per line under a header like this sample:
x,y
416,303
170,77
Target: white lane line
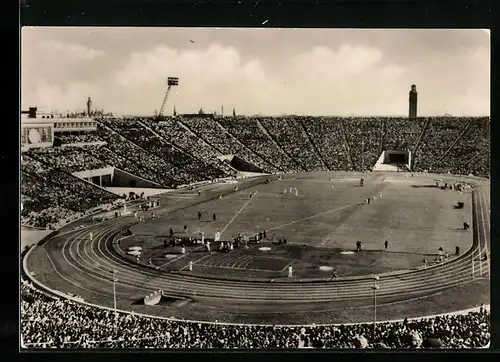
x,y
95,272
99,245
485,231
228,267
350,291
480,230
72,282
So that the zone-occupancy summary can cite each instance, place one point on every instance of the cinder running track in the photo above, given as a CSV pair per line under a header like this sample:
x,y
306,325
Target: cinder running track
x,y
85,266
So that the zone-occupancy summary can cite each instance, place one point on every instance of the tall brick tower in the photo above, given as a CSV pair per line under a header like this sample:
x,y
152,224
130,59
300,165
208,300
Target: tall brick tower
x,y
413,102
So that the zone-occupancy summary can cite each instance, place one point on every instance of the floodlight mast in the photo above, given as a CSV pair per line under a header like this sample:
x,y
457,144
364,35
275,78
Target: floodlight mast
x,y
171,82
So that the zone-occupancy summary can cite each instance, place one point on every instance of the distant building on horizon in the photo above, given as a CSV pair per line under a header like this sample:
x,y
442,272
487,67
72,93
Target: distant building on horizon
x,y
413,102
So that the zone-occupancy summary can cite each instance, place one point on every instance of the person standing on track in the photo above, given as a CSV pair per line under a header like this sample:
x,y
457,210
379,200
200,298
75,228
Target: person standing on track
x,y
334,274
185,228
359,246
199,215
386,245
214,217
171,232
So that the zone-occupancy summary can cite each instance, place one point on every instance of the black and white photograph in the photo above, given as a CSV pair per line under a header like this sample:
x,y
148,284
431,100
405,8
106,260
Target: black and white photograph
x,y
254,188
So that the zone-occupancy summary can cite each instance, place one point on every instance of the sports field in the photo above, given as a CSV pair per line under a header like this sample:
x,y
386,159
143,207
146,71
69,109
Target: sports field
x,y
320,222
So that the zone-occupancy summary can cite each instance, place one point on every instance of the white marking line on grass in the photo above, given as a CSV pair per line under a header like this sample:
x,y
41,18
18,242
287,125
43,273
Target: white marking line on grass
x,y
203,257
125,237
286,266
310,217
241,260
180,257
236,215
194,262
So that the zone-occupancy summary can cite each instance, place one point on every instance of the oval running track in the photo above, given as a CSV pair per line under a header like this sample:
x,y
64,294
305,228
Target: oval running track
x,y
86,267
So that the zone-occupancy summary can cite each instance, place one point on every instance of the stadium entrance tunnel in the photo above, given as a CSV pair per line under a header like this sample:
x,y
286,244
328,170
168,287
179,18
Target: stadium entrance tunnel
x,y
395,161
241,165
114,177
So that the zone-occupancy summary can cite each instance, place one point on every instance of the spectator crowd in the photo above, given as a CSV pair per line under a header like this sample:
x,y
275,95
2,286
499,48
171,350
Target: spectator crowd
x,y
185,150
51,197
51,322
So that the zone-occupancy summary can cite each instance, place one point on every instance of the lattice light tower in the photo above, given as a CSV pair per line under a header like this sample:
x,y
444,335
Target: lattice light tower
x,y
171,82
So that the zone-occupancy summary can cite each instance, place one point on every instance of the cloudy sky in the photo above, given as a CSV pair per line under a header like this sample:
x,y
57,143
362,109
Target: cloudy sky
x,y
257,71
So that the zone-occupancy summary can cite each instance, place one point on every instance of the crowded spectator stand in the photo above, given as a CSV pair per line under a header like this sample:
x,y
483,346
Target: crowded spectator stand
x,y
184,151
54,322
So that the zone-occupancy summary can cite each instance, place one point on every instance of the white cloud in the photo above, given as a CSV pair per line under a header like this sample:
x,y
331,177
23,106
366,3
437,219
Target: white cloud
x,y
218,75
344,80
208,77
54,97
72,52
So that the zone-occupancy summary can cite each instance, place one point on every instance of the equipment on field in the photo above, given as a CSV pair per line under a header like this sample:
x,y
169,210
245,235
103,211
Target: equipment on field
x,y
153,298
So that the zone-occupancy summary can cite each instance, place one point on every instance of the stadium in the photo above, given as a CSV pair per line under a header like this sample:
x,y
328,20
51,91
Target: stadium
x,y
256,232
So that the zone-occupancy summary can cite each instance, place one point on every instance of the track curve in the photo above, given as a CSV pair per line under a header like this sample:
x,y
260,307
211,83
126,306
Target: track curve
x,y
88,264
